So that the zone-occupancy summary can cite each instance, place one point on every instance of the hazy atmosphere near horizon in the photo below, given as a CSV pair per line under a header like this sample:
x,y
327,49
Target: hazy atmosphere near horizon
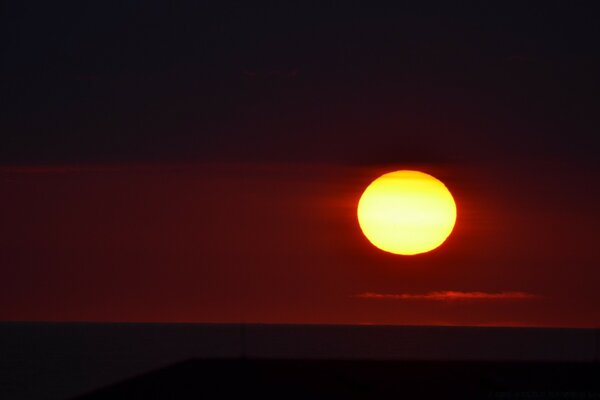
x,y
174,161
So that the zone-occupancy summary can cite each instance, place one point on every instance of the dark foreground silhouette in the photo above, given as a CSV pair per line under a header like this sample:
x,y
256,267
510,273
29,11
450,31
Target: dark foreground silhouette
x,y
319,379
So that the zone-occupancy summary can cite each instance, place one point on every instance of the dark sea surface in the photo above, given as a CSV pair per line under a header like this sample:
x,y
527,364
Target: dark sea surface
x,y
65,360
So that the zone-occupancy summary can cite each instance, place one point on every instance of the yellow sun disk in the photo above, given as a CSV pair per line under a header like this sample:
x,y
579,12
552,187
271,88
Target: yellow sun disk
x,y
406,212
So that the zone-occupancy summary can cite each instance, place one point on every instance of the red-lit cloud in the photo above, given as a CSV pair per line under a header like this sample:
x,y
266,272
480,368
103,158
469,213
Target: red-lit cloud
x,y
449,295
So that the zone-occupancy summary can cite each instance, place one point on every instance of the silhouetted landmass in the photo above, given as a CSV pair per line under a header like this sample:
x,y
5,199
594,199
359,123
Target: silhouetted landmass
x,y
352,379
64,360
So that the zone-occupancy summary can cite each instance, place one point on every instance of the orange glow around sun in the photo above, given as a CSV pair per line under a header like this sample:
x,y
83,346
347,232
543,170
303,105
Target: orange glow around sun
x,y
406,212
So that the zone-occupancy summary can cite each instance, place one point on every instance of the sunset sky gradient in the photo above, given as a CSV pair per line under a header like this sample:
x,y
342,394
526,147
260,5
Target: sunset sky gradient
x,y
170,161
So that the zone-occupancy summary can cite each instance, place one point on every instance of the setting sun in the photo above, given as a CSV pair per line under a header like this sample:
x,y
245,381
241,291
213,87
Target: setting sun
x,y
406,212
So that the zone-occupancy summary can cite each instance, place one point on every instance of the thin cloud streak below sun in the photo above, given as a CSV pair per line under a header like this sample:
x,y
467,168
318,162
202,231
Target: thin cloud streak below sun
x,y
449,295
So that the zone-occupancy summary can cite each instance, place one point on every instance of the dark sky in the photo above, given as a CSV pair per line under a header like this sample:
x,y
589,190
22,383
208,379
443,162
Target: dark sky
x,y
178,161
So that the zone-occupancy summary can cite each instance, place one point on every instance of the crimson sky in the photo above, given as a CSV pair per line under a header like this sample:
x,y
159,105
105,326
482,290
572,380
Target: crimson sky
x,y
177,161
281,243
